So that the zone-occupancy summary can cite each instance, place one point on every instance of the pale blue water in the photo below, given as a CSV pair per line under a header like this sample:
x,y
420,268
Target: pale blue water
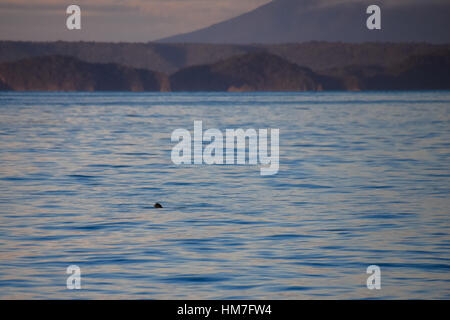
x,y
364,179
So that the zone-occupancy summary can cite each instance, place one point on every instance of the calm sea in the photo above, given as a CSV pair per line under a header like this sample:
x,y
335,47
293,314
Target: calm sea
x,y
364,180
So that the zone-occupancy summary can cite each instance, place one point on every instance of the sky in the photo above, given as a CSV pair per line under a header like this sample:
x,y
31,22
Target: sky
x,y
114,20
126,21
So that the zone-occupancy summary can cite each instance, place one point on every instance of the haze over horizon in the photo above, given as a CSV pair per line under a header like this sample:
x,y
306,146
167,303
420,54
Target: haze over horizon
x,y
151,20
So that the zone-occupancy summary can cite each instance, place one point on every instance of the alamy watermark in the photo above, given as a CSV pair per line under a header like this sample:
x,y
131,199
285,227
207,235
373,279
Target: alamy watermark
x,y
374,20
73,21
234,151
374,280
74,280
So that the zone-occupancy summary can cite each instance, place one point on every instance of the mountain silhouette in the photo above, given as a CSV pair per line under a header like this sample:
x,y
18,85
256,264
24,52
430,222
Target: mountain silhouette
x,y
249,72
171,57
285,21
61,73
259,71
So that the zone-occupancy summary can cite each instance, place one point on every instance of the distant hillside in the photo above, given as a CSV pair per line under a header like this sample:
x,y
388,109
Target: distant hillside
x,y
60,73
259,71
420,72
266,72
4,86
353,78
282,21
416,73
250,72
169,58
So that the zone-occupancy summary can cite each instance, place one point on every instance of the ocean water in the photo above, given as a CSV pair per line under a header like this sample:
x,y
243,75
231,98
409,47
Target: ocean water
x,y
364,180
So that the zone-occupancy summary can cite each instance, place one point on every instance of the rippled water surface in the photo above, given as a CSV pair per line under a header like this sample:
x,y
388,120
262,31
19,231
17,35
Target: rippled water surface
x,y
364,179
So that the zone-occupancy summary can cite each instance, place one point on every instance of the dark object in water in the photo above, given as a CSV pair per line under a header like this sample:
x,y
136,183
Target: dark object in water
x,y
157,205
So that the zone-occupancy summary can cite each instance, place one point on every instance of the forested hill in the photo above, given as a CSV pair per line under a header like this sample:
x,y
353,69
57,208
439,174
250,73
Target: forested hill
x,y
259,71
169,58
60,73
